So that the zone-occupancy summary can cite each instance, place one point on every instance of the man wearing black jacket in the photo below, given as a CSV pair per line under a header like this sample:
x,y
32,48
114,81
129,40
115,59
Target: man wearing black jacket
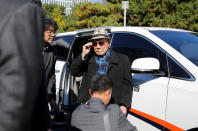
x,y
50,59
98,59
23,96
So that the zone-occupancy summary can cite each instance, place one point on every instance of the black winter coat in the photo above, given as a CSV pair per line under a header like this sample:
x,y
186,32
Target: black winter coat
x,y
49,62
23,96
118,71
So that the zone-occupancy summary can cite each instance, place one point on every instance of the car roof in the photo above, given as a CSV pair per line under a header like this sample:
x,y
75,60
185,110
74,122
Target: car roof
x,y
136,29
145,29
66,33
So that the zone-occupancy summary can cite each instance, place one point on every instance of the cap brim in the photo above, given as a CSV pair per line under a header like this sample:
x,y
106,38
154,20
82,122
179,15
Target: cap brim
x,y
100,37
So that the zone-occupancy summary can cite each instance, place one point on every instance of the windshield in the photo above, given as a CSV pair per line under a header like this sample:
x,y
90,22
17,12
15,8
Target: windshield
x,y
184,42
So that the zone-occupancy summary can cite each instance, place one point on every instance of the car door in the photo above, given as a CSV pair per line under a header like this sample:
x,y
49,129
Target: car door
x,y
182,95
150,91
62,44
69,83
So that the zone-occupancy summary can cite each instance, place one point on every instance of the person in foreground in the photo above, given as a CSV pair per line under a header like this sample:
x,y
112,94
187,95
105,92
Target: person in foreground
x,y
23,95
91,116
98,59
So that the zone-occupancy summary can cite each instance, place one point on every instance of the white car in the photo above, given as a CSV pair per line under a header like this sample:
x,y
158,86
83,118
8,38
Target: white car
x,y
165,75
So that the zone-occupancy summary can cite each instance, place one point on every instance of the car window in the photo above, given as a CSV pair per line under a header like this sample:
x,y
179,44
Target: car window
x,y
184,42
63,48
69,39
176,71
77,46
136,46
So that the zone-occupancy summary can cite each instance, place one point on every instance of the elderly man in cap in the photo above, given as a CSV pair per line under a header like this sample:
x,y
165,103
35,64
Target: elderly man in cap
x,y
98,59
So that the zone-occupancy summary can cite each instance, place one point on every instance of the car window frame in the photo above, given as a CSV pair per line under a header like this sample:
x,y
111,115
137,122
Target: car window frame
x,y
192,78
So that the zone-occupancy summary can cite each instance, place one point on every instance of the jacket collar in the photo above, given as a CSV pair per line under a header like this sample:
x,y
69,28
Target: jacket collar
x,y
46,46
96,105
113,57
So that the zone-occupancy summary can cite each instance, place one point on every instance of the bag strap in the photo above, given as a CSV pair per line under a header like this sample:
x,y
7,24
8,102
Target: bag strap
x,y
106,121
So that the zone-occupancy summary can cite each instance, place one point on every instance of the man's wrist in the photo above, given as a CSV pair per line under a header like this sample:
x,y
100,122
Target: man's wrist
x,y
83,57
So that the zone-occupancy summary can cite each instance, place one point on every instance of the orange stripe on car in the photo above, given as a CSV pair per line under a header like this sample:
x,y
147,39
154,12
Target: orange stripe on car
x,y
157,120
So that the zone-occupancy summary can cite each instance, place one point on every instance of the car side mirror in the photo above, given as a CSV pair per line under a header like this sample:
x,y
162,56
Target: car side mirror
x,y
147,66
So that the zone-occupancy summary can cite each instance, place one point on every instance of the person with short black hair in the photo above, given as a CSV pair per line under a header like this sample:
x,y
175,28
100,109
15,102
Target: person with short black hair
x,y
100,84
49,22
92,115
49,54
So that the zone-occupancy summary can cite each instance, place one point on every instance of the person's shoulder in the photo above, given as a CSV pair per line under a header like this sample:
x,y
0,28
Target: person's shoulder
x,y
76,112
113,107
79,107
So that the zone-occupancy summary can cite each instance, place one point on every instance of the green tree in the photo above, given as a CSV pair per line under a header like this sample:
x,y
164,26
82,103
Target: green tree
x,y
90,15
115,1
164,13
159,13
150,13
57,13
187,15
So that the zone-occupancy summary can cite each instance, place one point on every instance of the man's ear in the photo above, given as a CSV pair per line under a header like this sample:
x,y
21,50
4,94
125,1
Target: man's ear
x,y
106,93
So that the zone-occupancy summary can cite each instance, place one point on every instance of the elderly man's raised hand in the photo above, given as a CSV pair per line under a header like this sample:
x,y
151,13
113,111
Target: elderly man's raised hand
x,y
86,49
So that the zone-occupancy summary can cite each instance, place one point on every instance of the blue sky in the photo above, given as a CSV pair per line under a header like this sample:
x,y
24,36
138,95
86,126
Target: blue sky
x,y
96,0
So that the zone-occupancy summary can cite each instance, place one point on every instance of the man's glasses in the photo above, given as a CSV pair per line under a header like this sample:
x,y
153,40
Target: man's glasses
x,y
50,32
101,43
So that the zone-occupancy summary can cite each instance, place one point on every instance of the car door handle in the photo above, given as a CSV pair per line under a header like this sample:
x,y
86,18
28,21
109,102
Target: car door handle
x,y
136,88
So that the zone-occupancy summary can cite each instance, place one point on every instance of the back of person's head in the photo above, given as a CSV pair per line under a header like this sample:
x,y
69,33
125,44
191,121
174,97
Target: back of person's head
x,y
50,22
100,84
